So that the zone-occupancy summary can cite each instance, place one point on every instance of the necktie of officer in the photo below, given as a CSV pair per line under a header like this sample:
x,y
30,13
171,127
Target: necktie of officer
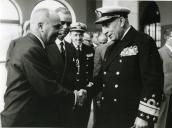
x,y
62,50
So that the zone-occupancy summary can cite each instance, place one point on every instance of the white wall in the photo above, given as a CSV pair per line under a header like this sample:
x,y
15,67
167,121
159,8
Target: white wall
x,y
165,8
3,75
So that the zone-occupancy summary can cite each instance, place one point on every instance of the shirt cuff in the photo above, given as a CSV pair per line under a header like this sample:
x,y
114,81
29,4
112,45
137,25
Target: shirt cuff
x,y
75,97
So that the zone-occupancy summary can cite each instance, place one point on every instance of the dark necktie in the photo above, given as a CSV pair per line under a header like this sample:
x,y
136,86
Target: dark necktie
x,y
62,50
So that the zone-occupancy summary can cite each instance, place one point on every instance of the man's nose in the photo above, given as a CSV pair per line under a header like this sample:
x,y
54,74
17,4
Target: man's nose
x,y
65,25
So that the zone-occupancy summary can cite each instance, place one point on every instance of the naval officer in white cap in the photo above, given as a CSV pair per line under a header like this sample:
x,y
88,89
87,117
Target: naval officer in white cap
x,y
131,76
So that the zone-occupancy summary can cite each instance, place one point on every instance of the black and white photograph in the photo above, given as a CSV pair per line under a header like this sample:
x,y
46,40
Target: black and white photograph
x,y
86,63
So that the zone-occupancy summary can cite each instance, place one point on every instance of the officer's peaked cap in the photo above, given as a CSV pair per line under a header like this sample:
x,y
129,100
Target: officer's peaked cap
x,y
78,26
109,12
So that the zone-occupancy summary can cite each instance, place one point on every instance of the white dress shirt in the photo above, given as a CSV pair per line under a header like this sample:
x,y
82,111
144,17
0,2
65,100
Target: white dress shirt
x,y
58,44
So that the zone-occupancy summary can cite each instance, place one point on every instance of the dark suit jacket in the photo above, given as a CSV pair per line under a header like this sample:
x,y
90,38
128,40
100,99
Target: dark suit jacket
x,y
64,74
132,79
32,90
62,69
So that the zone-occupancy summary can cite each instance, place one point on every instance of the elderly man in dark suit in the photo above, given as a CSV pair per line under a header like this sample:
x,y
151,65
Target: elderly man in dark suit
x,y
131,74
32,89
164,120
83,57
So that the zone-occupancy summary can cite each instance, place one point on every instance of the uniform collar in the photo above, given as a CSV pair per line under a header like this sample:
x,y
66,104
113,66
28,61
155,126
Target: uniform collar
x,y
126,32
76,46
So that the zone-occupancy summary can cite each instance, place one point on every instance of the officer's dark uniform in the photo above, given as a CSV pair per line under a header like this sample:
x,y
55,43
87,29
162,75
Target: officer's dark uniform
x,y
83,71
131,78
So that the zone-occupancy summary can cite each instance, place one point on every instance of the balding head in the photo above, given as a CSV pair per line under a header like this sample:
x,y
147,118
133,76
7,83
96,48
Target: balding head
x,y
38,16
45,24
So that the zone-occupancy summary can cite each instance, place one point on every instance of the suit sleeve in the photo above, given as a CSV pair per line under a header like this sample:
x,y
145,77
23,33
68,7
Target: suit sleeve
x,y
40,76
151,70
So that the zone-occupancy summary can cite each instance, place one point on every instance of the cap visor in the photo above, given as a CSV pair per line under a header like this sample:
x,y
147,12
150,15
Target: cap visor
x,y
81,30
102,19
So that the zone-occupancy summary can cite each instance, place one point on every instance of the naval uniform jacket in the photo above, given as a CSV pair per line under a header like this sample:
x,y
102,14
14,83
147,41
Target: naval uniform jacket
x,y
32,92
99,56
63,70
132,81
83,80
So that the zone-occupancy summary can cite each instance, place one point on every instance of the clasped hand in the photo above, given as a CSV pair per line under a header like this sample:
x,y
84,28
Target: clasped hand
x,y
81,96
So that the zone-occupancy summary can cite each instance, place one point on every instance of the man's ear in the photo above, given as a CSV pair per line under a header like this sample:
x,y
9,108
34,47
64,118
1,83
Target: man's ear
x,y
40,26
122,20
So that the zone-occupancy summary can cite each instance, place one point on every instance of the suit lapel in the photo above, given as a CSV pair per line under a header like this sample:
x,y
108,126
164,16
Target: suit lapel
x,y
115,49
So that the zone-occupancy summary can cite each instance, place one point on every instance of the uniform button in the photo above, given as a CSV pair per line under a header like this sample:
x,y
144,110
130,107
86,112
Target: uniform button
x,y
86,65
153,95
116,85
120,61
104,73
117,73
77,73
87,58
77,80
104,85
115,100
102,98
86,72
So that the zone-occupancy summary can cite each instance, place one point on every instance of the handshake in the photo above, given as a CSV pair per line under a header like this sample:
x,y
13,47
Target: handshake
x,y
80,96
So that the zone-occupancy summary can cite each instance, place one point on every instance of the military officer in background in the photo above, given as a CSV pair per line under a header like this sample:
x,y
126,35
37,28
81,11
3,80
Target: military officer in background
x,y
83,56
131,76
